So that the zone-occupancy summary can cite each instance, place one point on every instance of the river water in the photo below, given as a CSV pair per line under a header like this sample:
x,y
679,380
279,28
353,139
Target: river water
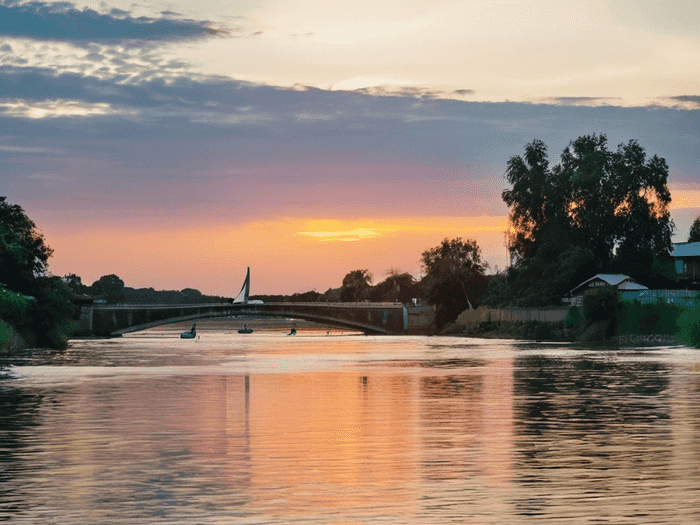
x,y
344,428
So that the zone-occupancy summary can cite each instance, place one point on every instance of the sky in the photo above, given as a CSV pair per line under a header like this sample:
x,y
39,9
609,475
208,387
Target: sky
x,y
176,143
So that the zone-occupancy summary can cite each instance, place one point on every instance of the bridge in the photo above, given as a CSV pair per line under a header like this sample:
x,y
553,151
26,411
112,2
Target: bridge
x,y
370,318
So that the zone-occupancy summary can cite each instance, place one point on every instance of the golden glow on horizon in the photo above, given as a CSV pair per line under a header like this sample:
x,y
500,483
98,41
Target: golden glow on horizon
x,y
333,229
213,260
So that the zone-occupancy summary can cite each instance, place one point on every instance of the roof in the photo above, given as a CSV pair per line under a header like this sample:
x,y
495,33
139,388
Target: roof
x,y
686,249
631,286
619,280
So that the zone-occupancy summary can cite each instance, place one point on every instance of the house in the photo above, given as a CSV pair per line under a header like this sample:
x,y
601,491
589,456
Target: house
x,y
621,282
686,255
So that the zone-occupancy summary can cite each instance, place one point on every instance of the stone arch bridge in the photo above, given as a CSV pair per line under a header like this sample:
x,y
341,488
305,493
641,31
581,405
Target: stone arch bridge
x,y
371,318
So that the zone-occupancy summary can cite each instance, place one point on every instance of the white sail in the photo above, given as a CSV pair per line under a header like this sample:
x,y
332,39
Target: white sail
x,y
242,297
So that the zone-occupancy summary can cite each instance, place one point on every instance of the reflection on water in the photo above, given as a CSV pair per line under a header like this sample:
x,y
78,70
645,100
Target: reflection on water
x,y
348,429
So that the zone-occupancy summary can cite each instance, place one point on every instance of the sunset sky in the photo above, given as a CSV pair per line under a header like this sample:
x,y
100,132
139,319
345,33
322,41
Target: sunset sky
x,y
176,143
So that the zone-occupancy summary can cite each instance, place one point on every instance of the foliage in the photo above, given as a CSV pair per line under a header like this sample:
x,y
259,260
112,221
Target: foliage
x,y
52,313
23,253
600,305
597,210
13,307
573,318
642,319
455,278
5,335
75,284
689,326
355,286
35,303
397,286
110,287
694,235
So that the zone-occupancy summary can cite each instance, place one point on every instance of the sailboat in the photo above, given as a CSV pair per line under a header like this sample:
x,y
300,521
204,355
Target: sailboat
x,y
242,297
191,334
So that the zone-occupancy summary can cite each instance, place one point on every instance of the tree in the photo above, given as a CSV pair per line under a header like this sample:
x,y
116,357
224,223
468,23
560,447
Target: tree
x,y
455,277
23,253
42,300
75,284
599,210
355,284
110,287
694,235
398,286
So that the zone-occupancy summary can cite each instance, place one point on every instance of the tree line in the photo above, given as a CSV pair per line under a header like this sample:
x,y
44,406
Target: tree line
x,y
112,290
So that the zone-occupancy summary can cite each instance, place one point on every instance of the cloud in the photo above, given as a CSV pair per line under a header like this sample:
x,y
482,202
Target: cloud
x,y
357,234
54,109
213,148
62,21
584,101
685,101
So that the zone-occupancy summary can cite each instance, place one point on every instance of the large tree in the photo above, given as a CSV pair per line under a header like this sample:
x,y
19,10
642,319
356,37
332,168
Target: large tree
x,y
694,235
599,210
356,284
455,277
23,253
110,287
44,300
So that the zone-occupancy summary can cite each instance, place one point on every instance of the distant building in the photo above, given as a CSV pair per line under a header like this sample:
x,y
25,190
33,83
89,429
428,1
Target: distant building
x,y
618,281
686,255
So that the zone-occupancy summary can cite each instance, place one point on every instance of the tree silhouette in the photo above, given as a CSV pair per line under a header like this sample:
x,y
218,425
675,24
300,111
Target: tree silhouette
x,y
597,210
694,235
455,277
23,253
355,285
110,287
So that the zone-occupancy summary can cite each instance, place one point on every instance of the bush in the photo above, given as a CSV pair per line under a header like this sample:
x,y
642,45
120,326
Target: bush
x,y
5,335
573,318
13,307
643,319
689,326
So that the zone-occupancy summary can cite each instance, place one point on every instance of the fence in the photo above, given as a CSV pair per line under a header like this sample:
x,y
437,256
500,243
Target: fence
x,y
512,315
677,297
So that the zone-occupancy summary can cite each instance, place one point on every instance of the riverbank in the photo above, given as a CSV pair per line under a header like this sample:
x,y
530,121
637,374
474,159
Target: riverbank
x,y
599,331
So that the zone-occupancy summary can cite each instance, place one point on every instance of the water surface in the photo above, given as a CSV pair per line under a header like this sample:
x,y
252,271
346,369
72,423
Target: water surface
x,y
343,428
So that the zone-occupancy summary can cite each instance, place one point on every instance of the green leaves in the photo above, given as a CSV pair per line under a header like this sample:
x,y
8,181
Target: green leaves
x,y
612,204
694,235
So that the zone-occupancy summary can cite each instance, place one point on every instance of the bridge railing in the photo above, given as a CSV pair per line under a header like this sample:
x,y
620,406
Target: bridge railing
x,y
205,305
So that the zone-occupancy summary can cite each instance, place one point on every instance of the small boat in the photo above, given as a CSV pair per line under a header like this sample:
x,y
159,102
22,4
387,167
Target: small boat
x,y
191,334
293,332
245,329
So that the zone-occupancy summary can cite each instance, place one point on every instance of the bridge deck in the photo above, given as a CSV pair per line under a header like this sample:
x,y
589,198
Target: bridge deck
x,y
380,318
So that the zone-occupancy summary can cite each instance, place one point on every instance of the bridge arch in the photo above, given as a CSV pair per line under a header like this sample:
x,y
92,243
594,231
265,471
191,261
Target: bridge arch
x,y
371,318
321,319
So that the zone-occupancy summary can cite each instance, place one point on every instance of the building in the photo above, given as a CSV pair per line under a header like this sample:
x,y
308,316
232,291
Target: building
x,y
686,255
621,282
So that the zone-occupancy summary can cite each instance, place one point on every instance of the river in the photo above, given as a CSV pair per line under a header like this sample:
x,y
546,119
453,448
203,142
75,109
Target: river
x,y
343,428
